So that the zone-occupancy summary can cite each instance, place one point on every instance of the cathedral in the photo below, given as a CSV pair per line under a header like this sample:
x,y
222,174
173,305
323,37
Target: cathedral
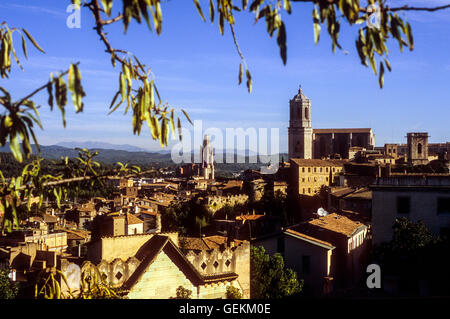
x,y
308,143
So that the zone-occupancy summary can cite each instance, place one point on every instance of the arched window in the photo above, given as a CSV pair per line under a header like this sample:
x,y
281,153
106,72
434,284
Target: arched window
x,y
307,113
419,148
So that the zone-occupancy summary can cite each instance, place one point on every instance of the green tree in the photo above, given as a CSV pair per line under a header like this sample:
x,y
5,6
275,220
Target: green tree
x,y
269,277
183,293
233,293
8,289
412,255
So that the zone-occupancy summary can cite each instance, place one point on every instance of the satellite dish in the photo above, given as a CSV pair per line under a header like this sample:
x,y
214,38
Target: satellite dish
x,y
322,212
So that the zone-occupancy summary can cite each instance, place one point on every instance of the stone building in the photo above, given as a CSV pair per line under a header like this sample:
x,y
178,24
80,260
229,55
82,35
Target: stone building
x,y
414,196
417,148
306,142
153,266
309,175
300,129
205,169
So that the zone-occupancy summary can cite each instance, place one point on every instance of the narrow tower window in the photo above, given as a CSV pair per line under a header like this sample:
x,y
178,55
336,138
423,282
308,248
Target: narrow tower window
x,y
307,113
419,148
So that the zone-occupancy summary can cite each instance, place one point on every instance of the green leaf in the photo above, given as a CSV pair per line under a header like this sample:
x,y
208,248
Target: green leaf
x,y
187,116
249,81
211,10
199,9
316,26
244,4
180,135
75,87
24,47
409,36
381,76
281,40
33,41
241,73
15,147
107,5
287,6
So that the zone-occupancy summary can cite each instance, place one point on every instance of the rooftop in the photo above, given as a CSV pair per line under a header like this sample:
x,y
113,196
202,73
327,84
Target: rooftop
x,y
206,243
317,162
341,130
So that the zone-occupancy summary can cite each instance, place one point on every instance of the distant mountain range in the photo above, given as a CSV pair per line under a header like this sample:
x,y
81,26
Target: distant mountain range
x,y
139,156
102,145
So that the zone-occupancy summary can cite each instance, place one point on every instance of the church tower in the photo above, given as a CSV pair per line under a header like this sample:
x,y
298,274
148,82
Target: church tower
x,y
300,130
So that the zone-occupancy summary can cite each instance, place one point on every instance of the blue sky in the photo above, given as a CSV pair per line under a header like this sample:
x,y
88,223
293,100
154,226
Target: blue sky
x,y
196,69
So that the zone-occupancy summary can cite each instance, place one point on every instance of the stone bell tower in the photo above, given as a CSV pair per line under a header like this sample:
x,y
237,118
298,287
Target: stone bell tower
x,y
417,148
300,130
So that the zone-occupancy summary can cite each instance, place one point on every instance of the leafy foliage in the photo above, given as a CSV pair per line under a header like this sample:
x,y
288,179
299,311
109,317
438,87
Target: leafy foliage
x,y
8,289
233,293
269,277
183,293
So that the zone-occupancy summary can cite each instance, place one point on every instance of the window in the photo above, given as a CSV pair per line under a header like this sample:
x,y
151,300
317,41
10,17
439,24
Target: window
x,y
419,148
403,205
309,190
315,169
309,169
303,169
443,205
306,260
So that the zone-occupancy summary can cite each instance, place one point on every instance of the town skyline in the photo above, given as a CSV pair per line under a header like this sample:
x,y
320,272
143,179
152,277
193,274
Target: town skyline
x,y
338,86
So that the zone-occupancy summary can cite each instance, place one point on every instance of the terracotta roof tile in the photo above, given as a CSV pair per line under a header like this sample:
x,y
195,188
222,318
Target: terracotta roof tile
x,y
317,162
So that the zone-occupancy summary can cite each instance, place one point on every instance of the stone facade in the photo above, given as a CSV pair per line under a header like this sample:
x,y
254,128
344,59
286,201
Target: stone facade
x,y
309,175
417,148
229,259
306,142
414,196
300,130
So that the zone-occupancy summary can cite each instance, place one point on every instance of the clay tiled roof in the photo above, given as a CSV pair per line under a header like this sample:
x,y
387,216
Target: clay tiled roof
x,y
341,191
232,184
317,162
206,243
341,130
337,223
297,233
363,193
313,230
132,220
249,217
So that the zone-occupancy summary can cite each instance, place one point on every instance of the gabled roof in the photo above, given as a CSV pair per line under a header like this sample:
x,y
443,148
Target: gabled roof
x,y
132,219
317,162
159,243
315,241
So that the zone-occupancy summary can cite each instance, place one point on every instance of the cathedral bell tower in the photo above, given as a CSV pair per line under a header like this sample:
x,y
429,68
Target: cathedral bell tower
x,y
300,130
